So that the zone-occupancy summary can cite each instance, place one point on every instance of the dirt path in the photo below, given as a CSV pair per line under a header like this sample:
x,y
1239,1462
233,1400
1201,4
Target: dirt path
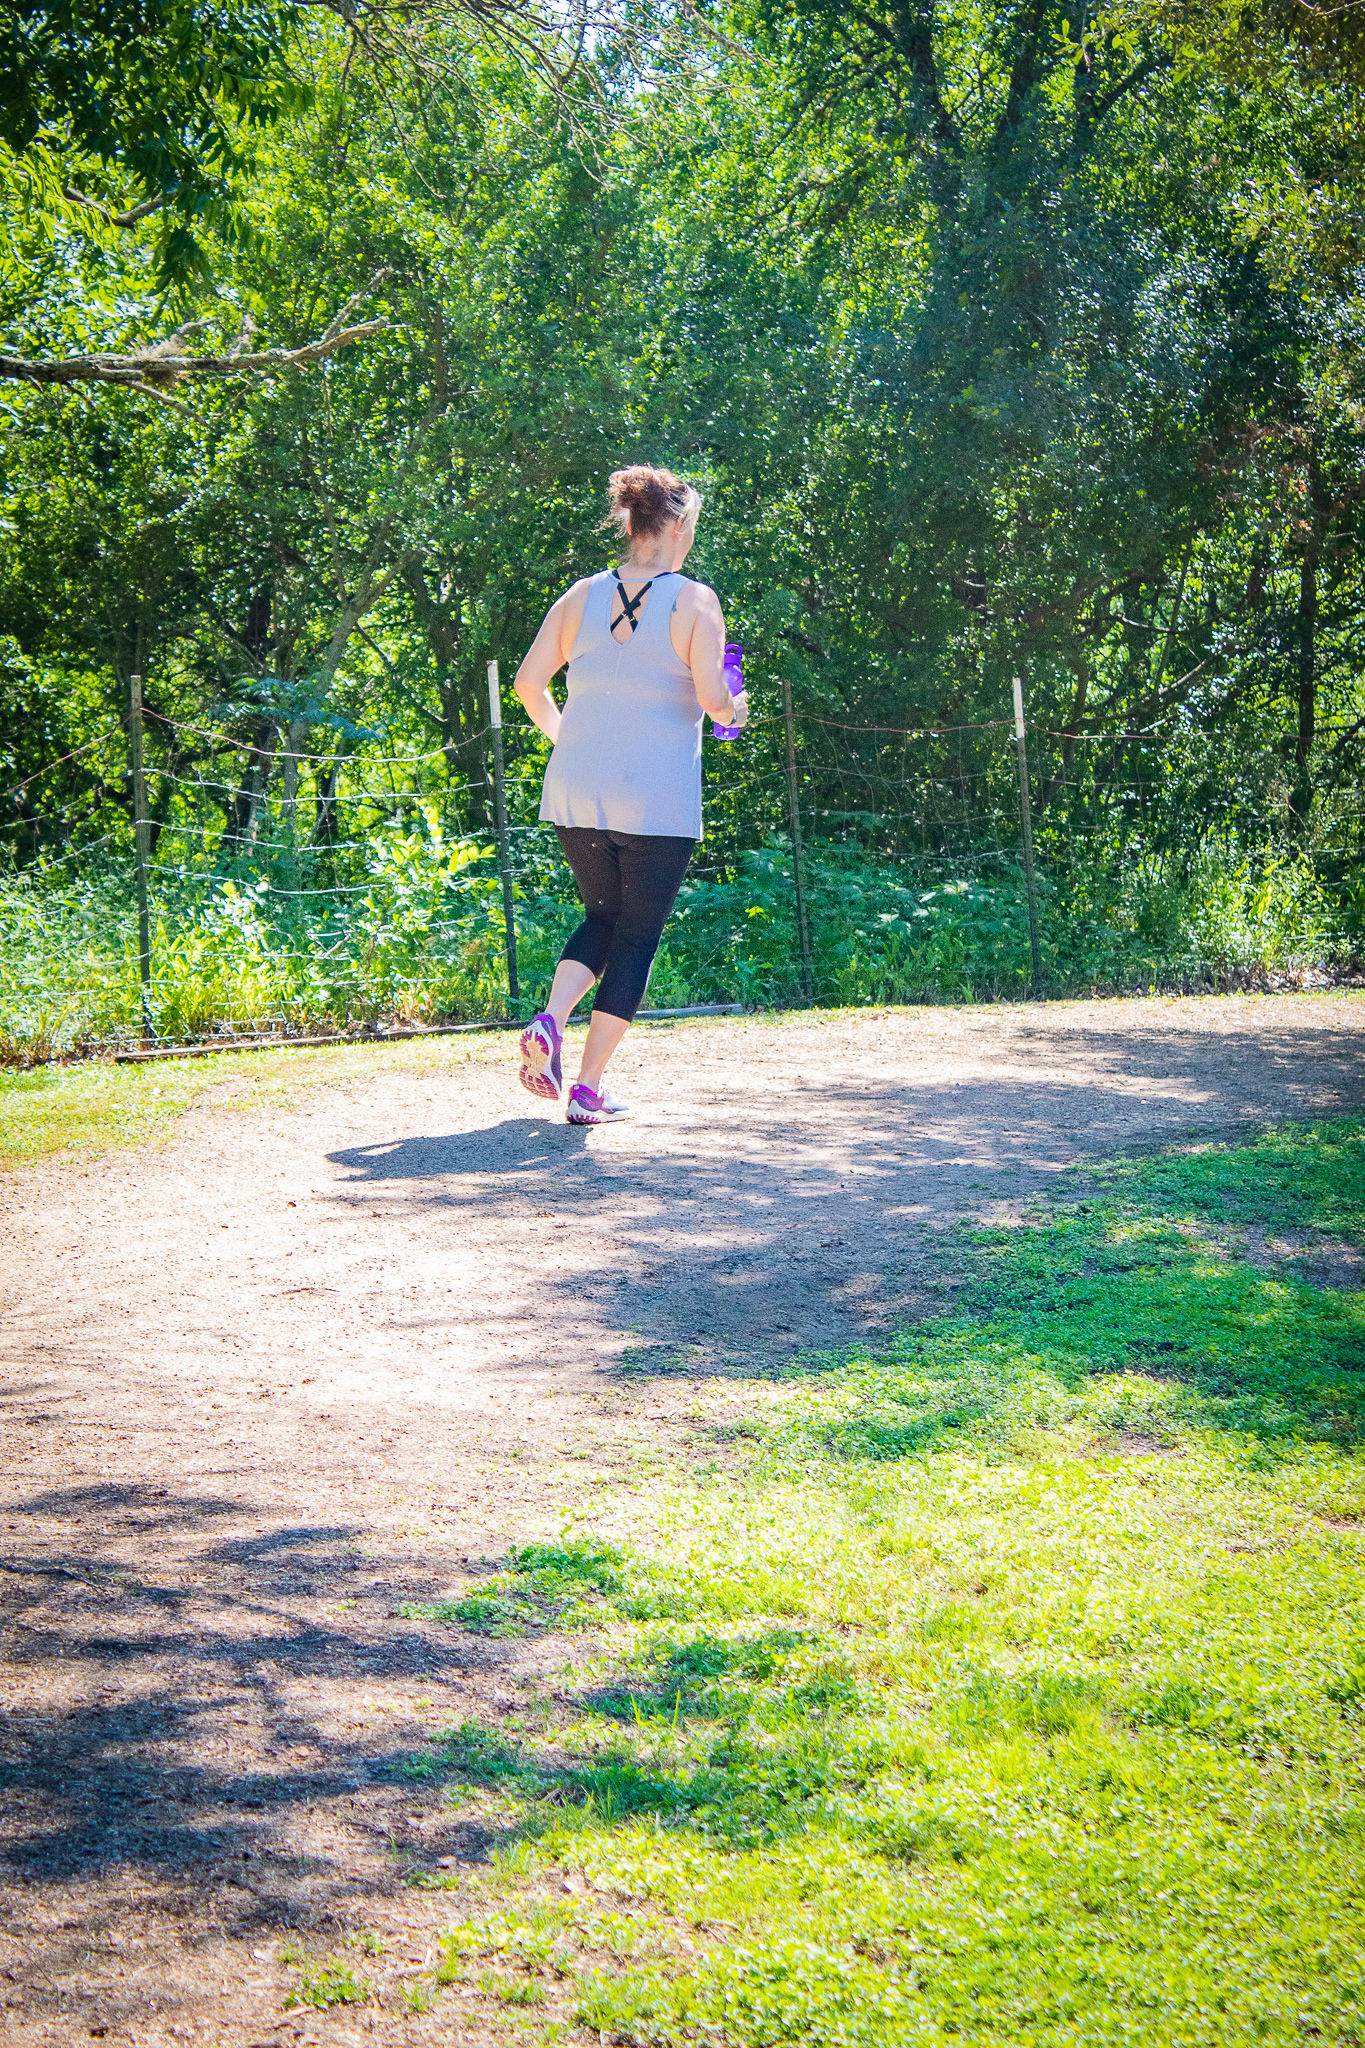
x,y
268,1382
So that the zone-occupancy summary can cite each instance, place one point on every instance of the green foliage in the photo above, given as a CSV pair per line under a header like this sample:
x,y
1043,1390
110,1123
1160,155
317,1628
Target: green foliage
x,y
144,100
1011,1692
419,937
998,346
331,1983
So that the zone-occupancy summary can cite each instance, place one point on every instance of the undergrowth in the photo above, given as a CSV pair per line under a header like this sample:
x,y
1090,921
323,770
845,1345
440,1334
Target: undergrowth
x,y
419,936
1013,1692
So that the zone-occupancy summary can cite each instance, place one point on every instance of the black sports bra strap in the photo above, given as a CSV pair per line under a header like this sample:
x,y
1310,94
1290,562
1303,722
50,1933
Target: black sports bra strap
x,y
629,605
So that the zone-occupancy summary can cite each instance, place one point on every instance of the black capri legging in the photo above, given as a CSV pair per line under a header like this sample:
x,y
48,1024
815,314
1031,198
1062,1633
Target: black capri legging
x,y
629,882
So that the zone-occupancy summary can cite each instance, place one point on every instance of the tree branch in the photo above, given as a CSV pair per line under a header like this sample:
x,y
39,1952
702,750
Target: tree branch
x,y
157,370
915,26
396,682
129,219
1080,668
1027,71
907,33
1106,102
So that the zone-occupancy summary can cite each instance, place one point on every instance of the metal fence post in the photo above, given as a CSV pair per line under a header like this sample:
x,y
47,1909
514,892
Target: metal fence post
x,y
142,843
798,850
504,840
1026,822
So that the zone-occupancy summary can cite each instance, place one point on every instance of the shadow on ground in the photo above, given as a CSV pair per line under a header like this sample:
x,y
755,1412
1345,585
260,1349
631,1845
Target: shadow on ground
x,y
814,1220
188,1745
172,1728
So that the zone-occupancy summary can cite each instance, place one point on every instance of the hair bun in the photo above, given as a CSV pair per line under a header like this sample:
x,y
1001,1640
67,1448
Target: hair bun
x,y
644,500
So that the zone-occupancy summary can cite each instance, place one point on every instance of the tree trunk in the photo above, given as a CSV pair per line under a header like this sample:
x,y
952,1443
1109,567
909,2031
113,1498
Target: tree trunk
x,y
295,736
1308,686
241,808
441,619
1301,802
1080,669
260,775
441,622
325,824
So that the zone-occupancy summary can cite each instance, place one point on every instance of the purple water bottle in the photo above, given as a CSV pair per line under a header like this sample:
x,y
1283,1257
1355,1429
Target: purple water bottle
x,y
733,671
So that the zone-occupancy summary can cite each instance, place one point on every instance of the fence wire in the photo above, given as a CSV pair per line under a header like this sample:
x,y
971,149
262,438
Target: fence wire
x,y
300,889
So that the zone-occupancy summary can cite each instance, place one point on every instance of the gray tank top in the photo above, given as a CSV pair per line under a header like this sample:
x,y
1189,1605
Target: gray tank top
x,y
628,756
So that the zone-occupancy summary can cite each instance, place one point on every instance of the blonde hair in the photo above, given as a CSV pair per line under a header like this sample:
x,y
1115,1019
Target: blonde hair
x,y
643,501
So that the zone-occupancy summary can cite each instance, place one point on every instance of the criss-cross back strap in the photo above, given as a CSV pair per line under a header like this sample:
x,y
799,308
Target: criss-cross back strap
x,y
630,605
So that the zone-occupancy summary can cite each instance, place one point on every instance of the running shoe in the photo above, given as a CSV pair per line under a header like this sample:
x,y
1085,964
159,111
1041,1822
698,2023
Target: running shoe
x,y
586,1106
542,1046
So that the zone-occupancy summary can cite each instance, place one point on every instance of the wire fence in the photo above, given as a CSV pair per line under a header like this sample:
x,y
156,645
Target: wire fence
x,y
276,890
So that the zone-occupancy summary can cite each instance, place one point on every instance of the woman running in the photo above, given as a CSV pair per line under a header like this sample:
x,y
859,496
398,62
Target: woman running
x,y
644,647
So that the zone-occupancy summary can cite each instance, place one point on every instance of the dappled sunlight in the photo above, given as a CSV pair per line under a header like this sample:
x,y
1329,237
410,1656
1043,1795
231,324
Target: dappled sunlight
x,y
168,1684
786,1231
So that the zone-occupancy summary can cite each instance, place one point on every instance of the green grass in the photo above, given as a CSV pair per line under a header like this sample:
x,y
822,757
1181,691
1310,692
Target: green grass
x,y
1011,1689
88,1107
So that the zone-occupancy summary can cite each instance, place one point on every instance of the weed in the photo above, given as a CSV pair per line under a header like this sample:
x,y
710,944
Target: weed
x,y
545,1585
515,1990
331,1983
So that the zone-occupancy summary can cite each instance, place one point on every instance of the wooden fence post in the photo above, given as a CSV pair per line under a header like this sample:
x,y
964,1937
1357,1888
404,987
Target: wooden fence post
x,y
504,838
1026,822
142,841
798,849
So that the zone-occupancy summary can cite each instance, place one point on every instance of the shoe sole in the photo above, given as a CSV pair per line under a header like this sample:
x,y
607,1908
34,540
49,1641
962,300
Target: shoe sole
x,y
536,1077
608,1116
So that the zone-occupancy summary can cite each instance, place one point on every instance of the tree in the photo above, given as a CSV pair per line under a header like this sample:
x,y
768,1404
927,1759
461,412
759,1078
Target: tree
x,y
137,110
145,117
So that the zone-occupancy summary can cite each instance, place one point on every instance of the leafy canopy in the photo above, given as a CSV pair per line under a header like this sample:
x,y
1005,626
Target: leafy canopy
x,y
141,105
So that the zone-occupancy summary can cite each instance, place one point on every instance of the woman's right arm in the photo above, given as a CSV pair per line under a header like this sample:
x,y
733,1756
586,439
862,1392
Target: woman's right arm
x,y
704,654
549,651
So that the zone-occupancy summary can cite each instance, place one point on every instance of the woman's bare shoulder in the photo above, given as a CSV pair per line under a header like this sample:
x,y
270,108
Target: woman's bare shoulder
x,y
567,614
697,597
